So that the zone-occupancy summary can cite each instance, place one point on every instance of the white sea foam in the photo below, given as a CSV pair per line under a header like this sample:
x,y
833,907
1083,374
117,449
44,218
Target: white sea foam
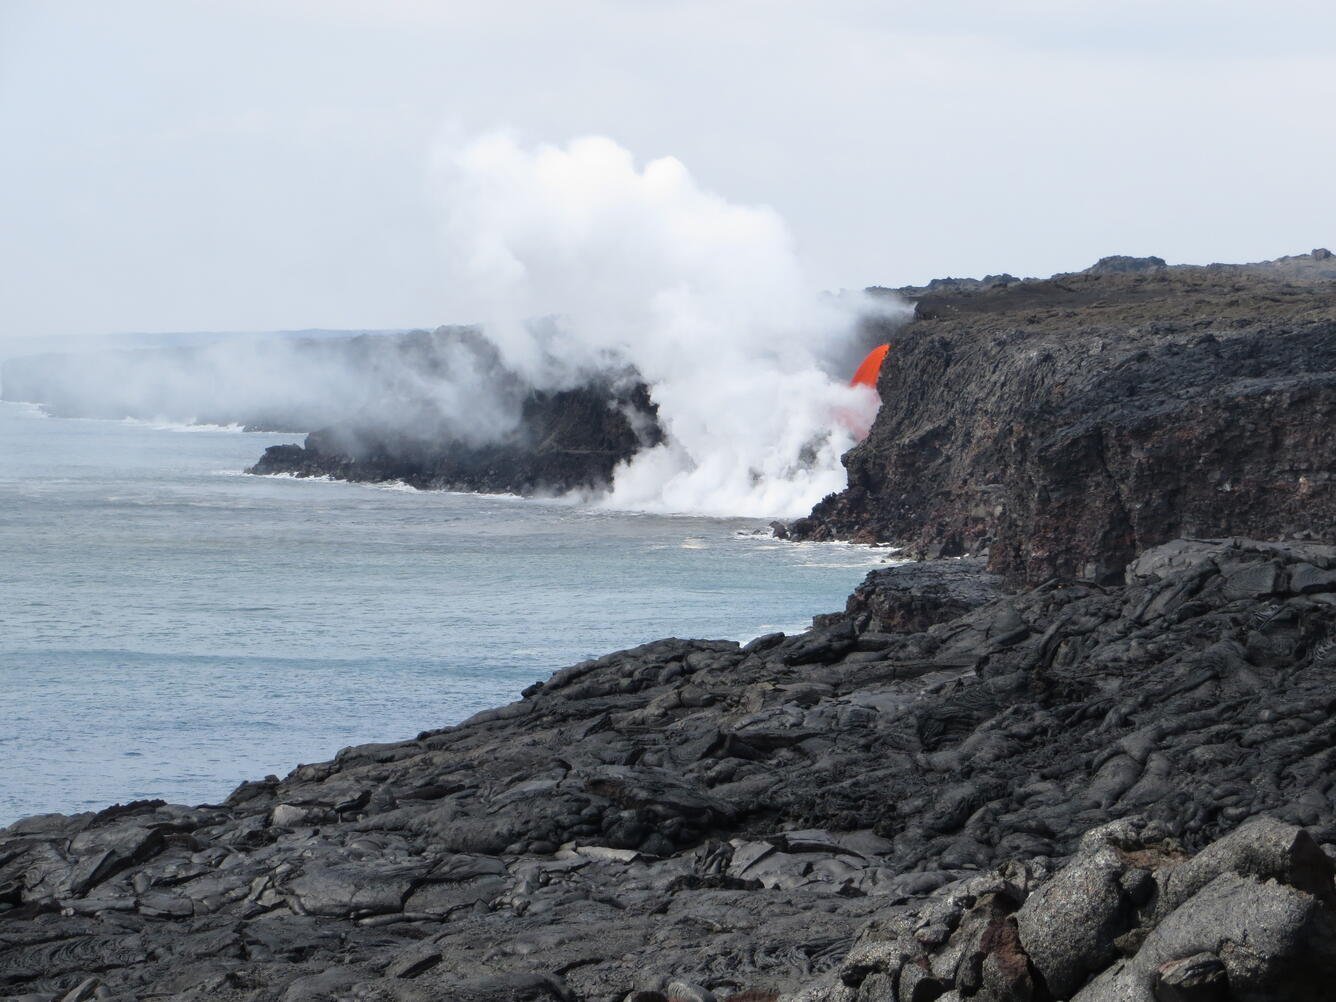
x,y
827,553
502,497
26,408
323,478
162,424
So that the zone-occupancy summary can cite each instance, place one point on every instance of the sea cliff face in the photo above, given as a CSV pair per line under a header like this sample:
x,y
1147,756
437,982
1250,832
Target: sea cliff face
x,y
1059,427
562,441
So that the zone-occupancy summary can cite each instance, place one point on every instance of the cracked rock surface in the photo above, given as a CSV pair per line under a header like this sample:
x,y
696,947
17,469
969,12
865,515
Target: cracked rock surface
x,y
1098,792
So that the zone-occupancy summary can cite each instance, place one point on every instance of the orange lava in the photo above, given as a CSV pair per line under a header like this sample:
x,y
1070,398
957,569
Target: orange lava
x,y
866,374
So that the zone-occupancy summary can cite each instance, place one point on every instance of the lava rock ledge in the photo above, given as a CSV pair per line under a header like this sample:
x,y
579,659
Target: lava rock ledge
x,y
1078,791
1059,427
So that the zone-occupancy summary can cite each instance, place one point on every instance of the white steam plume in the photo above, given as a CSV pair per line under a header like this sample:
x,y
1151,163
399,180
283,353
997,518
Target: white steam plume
x,y
705,298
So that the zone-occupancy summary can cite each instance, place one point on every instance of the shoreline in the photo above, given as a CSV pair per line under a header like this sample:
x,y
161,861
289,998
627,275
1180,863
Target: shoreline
x,y
1088,761
874,561
76,717
710,808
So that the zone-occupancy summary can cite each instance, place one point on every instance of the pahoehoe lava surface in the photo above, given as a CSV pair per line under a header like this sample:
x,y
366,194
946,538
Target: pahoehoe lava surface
x,y
695,819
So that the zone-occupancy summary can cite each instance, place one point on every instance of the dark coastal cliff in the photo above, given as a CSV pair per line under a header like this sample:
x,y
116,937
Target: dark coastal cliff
x,y
1061,426
562,440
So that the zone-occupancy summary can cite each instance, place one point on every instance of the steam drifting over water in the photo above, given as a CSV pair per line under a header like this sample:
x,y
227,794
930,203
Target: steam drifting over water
x,y
573,264
704,298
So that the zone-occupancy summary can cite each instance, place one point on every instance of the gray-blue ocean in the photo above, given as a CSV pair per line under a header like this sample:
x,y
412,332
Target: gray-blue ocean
x,y
170,627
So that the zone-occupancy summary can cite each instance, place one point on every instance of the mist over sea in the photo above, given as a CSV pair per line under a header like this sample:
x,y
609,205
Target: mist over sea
x,y
170,627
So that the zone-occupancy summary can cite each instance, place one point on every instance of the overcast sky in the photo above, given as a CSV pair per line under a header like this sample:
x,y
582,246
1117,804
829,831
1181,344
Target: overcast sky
x,y
264,164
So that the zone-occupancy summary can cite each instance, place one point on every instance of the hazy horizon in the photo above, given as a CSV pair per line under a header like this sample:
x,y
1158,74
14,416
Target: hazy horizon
x,y
185,166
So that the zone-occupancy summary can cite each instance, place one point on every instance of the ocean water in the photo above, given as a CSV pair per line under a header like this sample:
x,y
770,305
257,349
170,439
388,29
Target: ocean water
x,y
170,627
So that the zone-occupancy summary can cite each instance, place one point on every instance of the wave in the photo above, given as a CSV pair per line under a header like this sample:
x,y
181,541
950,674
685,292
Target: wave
x,y
27,407
398,486
30,408
322,478
831,553
162,424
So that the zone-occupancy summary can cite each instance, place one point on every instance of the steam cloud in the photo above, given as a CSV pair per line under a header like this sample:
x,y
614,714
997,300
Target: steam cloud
x,y
448,382
574,263
704,298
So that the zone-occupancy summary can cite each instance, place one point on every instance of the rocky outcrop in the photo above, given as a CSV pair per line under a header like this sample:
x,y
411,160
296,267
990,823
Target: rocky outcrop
x,y
435,409
935,592
1045,796
562,441
1059,427
1131,918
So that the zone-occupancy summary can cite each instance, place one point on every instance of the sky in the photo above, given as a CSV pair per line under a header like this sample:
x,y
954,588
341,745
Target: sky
x,y
277,164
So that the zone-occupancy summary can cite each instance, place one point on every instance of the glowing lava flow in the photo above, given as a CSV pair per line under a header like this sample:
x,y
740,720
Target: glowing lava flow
x,y
868,369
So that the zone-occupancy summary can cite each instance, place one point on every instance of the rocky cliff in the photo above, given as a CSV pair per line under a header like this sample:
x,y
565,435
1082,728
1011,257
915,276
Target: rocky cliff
x,y
562,441
1118,792
1061,426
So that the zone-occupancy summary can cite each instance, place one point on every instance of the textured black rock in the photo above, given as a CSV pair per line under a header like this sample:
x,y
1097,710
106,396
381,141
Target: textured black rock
x,y
1061,426
933,593
732,819
1258,922
562,440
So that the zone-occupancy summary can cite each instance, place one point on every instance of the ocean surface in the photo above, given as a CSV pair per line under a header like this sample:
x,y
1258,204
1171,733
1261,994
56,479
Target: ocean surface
x,y
170,627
